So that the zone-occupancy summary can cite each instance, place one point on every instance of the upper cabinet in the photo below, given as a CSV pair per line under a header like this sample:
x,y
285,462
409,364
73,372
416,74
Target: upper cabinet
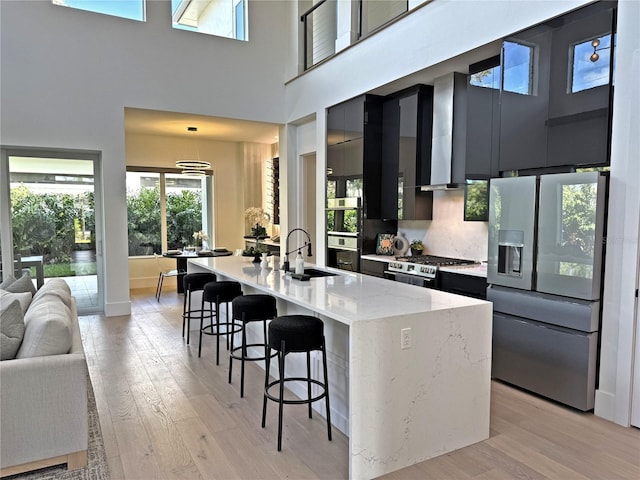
x,y
555,93
406,154
524,99
354,130
580,93
483,120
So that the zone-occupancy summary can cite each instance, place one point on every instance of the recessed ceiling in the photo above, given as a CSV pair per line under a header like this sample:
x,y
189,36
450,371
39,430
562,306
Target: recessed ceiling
x,y
156,122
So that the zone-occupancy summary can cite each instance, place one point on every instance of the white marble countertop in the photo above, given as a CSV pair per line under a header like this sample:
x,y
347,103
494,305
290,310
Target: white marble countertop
x,y
477,270
346,297
379,258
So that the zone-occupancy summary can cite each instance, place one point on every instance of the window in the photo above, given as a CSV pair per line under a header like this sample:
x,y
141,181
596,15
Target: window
x,y
223,18
518,68
591,62
488,78
131,9
164,210
239,20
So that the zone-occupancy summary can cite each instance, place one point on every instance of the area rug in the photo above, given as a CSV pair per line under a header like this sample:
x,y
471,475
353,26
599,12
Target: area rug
x,y
97,466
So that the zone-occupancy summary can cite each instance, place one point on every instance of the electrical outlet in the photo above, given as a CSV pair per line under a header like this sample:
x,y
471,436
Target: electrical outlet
x,y
405,338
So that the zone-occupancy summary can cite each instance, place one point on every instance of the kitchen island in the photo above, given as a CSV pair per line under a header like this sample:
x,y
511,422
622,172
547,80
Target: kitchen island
x,y
409,367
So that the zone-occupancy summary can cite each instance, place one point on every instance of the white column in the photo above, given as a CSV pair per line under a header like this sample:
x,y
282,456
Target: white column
x,y
613,397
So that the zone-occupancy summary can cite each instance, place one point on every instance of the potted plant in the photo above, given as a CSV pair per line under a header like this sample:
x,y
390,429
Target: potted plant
x,y
416,247
256,218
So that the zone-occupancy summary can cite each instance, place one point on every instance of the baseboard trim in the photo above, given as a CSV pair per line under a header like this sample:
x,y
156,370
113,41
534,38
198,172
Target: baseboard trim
x,y
605,405
73,460
117,309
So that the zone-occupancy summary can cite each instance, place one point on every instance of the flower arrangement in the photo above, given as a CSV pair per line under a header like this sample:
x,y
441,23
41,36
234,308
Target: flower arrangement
x,y
200,237
255,217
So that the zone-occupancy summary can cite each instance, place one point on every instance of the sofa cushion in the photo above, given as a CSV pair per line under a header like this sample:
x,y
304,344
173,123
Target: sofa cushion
x,y
11,329
48,330
55,288
7,297
8,280
22,284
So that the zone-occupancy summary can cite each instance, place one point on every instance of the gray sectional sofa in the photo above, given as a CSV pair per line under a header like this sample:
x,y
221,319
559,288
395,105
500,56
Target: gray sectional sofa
x,y
43,388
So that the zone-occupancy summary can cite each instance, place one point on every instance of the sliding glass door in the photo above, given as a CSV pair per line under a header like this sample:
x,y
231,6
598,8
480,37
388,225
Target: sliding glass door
x,y
53,208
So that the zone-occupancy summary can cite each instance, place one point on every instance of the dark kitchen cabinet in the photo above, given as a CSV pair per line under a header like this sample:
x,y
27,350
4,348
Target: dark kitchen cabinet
x,y
483,120
524,99
354,156
462,284
579,93
555,97
406,147
373,267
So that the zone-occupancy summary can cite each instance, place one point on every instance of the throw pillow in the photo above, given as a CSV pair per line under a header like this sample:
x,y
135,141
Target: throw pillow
x,y
23,284
56,287
9,279
11,330
48,330
7,297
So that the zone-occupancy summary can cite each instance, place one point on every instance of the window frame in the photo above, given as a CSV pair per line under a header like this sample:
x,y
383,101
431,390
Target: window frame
x,y
206,199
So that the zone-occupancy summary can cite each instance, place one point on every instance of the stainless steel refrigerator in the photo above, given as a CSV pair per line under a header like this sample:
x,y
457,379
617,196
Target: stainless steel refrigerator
x,y
545,271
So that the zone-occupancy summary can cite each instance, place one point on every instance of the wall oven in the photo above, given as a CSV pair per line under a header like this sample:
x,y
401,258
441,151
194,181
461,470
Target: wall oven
x,y
344,227
343,251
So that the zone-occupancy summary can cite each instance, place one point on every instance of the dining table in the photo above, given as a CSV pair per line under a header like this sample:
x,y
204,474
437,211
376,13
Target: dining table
x,y
182,256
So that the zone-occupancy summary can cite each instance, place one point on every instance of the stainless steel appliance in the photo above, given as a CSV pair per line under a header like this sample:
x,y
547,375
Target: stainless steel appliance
x,y
420,270
344,233
545,275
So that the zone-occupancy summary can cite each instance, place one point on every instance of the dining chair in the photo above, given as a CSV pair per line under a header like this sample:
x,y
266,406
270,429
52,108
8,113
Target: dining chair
x,y
164,274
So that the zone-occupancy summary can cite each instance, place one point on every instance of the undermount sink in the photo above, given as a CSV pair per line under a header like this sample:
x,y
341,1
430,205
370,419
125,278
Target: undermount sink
x,y
313,272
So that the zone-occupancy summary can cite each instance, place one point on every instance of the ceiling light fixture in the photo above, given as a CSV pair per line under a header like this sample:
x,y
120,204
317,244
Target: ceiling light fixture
x,y
193,168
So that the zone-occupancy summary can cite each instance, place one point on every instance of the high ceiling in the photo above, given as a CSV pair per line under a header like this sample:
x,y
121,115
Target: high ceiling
x,y
155,122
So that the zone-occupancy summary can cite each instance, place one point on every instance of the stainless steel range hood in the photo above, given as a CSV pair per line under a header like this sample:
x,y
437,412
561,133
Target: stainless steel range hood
x,y
449,116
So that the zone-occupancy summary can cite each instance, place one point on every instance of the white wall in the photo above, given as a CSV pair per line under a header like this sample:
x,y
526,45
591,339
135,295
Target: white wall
x,y
67,76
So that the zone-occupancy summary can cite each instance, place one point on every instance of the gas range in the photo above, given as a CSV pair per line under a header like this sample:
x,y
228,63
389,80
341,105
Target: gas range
x,y
425,265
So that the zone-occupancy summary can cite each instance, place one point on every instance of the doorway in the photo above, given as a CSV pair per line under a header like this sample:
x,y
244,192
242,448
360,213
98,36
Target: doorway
x,y
54,223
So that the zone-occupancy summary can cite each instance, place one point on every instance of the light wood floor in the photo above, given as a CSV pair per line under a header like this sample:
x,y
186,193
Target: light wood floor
x,y
165,413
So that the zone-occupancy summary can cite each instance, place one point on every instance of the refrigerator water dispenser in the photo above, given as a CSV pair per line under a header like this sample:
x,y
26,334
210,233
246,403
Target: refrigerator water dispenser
x,y
510,245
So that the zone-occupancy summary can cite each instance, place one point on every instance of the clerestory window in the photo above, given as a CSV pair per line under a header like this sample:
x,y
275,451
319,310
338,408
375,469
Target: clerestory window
x,y
222,18
131,9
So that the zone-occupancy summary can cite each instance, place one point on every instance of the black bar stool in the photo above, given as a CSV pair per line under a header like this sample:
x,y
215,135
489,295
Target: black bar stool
x,y
250,308
295,333
193,282
218,293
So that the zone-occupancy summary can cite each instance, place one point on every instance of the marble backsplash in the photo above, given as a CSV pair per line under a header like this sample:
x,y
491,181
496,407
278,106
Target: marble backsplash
x,y
448,234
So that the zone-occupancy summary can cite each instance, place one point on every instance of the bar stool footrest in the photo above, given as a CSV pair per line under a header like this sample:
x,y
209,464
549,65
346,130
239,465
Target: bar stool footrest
x,y
233,352
295,379
209,329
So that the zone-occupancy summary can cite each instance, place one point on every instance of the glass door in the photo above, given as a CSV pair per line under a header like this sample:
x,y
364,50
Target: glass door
x,y
54,227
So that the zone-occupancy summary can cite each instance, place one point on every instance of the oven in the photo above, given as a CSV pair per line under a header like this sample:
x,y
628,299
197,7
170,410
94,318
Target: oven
x,y
421,270
411,279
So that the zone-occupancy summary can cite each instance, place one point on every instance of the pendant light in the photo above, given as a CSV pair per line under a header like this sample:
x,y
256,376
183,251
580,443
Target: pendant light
x,y
193,168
